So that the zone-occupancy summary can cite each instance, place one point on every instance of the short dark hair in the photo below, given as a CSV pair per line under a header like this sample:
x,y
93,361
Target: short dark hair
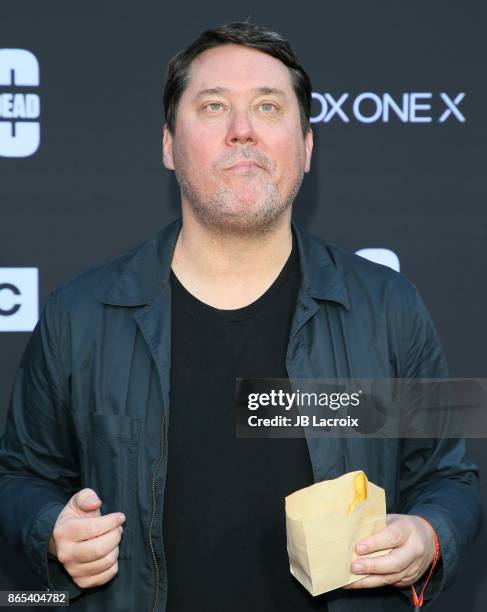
x,y
247,35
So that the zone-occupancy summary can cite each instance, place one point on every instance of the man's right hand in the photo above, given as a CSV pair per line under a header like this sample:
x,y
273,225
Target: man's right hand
x,y
85,542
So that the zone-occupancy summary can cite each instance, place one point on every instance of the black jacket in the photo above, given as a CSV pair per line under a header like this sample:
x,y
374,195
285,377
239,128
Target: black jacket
x,y
90,408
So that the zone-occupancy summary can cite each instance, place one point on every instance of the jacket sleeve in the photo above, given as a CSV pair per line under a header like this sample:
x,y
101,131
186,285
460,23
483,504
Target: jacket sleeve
x,y
38,463
438,481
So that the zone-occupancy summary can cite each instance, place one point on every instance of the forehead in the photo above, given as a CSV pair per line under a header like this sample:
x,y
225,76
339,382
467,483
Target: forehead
x,y
238,69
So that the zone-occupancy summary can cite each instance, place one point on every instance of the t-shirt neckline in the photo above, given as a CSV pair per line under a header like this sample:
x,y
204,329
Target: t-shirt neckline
x,y
245,312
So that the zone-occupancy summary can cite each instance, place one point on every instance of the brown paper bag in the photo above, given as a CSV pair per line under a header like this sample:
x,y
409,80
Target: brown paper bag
x,y
321,535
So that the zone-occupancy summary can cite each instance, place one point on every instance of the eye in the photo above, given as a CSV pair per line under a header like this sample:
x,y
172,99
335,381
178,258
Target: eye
x,y
268,107
213,107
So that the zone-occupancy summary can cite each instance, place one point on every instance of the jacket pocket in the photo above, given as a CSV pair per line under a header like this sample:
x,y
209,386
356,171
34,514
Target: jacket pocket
x,y
109,452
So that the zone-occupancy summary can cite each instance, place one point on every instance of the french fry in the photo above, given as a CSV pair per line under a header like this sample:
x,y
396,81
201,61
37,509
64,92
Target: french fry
x,y
360,486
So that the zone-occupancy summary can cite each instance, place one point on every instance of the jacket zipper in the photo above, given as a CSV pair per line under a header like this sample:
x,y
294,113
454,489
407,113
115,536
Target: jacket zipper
x,y
153,490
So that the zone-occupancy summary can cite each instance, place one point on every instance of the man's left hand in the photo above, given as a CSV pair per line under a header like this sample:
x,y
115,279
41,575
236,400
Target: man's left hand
x,y
413,549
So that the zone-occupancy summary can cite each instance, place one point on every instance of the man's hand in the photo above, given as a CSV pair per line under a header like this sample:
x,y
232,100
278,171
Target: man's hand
x,y
85,542
413,549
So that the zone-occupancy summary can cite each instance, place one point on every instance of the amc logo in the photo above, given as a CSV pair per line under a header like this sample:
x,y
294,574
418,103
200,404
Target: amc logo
x,y
19,299
20,133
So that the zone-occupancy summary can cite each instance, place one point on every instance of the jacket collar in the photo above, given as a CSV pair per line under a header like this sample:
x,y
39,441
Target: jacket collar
x,y
321,278
145,271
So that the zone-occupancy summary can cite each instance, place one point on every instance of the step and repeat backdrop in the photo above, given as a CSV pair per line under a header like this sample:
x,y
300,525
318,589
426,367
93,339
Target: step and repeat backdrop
x,y
398,172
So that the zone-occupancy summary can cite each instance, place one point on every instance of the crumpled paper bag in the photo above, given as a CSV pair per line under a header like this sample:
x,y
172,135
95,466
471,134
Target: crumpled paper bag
x,y
321,535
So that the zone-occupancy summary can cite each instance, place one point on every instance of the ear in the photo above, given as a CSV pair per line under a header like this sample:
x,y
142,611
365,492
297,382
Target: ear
x,y
167,140
308,146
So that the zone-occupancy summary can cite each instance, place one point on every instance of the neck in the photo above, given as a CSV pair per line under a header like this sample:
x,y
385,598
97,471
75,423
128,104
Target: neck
x,y
230,270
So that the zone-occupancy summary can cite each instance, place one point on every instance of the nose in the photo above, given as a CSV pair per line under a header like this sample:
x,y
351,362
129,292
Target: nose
x,y
240,129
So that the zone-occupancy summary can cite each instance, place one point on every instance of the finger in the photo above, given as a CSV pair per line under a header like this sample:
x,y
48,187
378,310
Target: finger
x,y
86,582
93,568
85,500
370,582
87,528
391,537
405,581
96,548
392,563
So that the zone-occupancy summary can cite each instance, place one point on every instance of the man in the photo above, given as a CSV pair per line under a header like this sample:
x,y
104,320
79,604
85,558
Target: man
x,y
123,403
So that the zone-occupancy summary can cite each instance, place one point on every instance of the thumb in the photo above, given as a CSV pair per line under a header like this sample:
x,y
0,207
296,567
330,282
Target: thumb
x,y
86,501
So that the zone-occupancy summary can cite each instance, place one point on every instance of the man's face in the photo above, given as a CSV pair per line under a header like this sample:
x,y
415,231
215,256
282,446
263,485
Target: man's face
x,y
238,149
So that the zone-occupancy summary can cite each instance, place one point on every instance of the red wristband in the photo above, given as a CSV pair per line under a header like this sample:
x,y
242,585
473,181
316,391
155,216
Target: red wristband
x,y
418,600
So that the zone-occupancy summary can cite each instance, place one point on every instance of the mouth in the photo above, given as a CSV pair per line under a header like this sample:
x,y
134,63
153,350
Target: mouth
x,y
245,167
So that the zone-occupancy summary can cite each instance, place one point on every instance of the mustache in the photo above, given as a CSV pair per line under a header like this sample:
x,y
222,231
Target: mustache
x,y
246,155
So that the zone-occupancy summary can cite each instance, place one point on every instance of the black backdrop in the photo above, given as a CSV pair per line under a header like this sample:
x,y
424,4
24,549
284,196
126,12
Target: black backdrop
x,y
95,185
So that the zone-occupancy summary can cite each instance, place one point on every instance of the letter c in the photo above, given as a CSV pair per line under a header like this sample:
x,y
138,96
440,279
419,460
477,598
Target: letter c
x,y
16,307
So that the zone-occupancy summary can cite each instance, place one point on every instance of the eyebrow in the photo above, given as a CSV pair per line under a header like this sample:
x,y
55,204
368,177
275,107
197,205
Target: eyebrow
x,y
218,91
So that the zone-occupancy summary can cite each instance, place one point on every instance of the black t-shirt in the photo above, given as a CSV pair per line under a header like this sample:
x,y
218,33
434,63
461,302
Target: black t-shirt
x,y
224,518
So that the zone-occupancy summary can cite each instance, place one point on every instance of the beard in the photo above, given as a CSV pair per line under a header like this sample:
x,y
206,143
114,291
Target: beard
x,y
250,207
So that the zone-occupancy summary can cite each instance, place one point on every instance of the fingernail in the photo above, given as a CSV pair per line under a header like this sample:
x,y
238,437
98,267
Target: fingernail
x,y
361,549
92,500
122,518
357,568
